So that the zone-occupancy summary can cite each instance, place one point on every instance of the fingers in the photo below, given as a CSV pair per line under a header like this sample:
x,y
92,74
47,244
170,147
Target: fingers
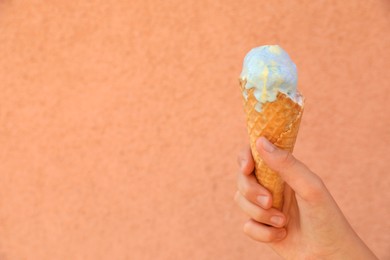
x,y
253,191
245,161
247,183
272,217
263,233
304,182
256,201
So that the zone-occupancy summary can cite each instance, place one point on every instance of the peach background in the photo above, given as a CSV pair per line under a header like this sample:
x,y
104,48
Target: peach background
x,y
120,122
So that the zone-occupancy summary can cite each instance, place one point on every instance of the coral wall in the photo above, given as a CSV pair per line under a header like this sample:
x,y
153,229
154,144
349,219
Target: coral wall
x,y
120,122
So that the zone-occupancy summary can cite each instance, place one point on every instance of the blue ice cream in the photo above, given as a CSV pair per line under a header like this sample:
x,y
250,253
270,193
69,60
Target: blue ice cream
x,y
269,70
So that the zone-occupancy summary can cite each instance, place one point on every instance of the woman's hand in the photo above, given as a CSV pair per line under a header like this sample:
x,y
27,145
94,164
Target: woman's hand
x,y
311,225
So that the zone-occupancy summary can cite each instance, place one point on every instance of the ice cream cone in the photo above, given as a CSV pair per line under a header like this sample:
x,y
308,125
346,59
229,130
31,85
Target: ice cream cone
x,y
279,122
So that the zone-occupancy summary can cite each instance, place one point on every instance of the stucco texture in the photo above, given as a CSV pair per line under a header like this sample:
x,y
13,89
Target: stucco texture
x,y
120,122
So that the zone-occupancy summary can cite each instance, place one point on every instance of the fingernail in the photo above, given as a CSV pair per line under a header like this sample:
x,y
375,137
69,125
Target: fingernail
x,y
277,220
263,200
267,145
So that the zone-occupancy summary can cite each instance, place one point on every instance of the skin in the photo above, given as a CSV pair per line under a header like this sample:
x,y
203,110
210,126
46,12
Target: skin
x,y
311,225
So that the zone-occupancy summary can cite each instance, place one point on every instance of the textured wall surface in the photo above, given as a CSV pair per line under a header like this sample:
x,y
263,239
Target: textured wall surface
x,y
120,122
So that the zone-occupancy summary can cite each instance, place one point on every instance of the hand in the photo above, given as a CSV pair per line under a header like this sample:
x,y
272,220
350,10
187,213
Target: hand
x,y
311,225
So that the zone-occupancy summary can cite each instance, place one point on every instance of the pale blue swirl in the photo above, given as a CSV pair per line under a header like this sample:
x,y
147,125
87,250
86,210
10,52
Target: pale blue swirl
x,y
269,69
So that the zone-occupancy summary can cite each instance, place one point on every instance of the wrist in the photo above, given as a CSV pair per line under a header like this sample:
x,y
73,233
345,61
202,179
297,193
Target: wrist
x,y
354,248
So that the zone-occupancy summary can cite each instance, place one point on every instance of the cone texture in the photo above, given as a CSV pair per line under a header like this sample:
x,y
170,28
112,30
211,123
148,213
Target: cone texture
x,y
279,122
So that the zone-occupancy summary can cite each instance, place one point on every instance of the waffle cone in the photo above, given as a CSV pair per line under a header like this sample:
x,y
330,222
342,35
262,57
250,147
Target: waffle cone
x,y
279,122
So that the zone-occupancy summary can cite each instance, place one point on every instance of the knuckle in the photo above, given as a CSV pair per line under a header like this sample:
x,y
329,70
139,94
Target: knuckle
x,y
236,196
318,184
240,182
246,192
259,215
287,161
244,188
317,189
239,159
268,235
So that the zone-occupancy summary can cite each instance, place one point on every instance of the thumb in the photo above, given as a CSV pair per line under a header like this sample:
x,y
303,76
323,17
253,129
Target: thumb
x,y
298,176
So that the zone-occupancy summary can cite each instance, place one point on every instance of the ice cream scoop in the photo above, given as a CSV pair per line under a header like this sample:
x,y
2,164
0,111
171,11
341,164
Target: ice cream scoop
x,y
269,70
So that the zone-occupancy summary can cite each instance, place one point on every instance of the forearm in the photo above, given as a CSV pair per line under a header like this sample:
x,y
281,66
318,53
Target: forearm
x,y
354,249
361,250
